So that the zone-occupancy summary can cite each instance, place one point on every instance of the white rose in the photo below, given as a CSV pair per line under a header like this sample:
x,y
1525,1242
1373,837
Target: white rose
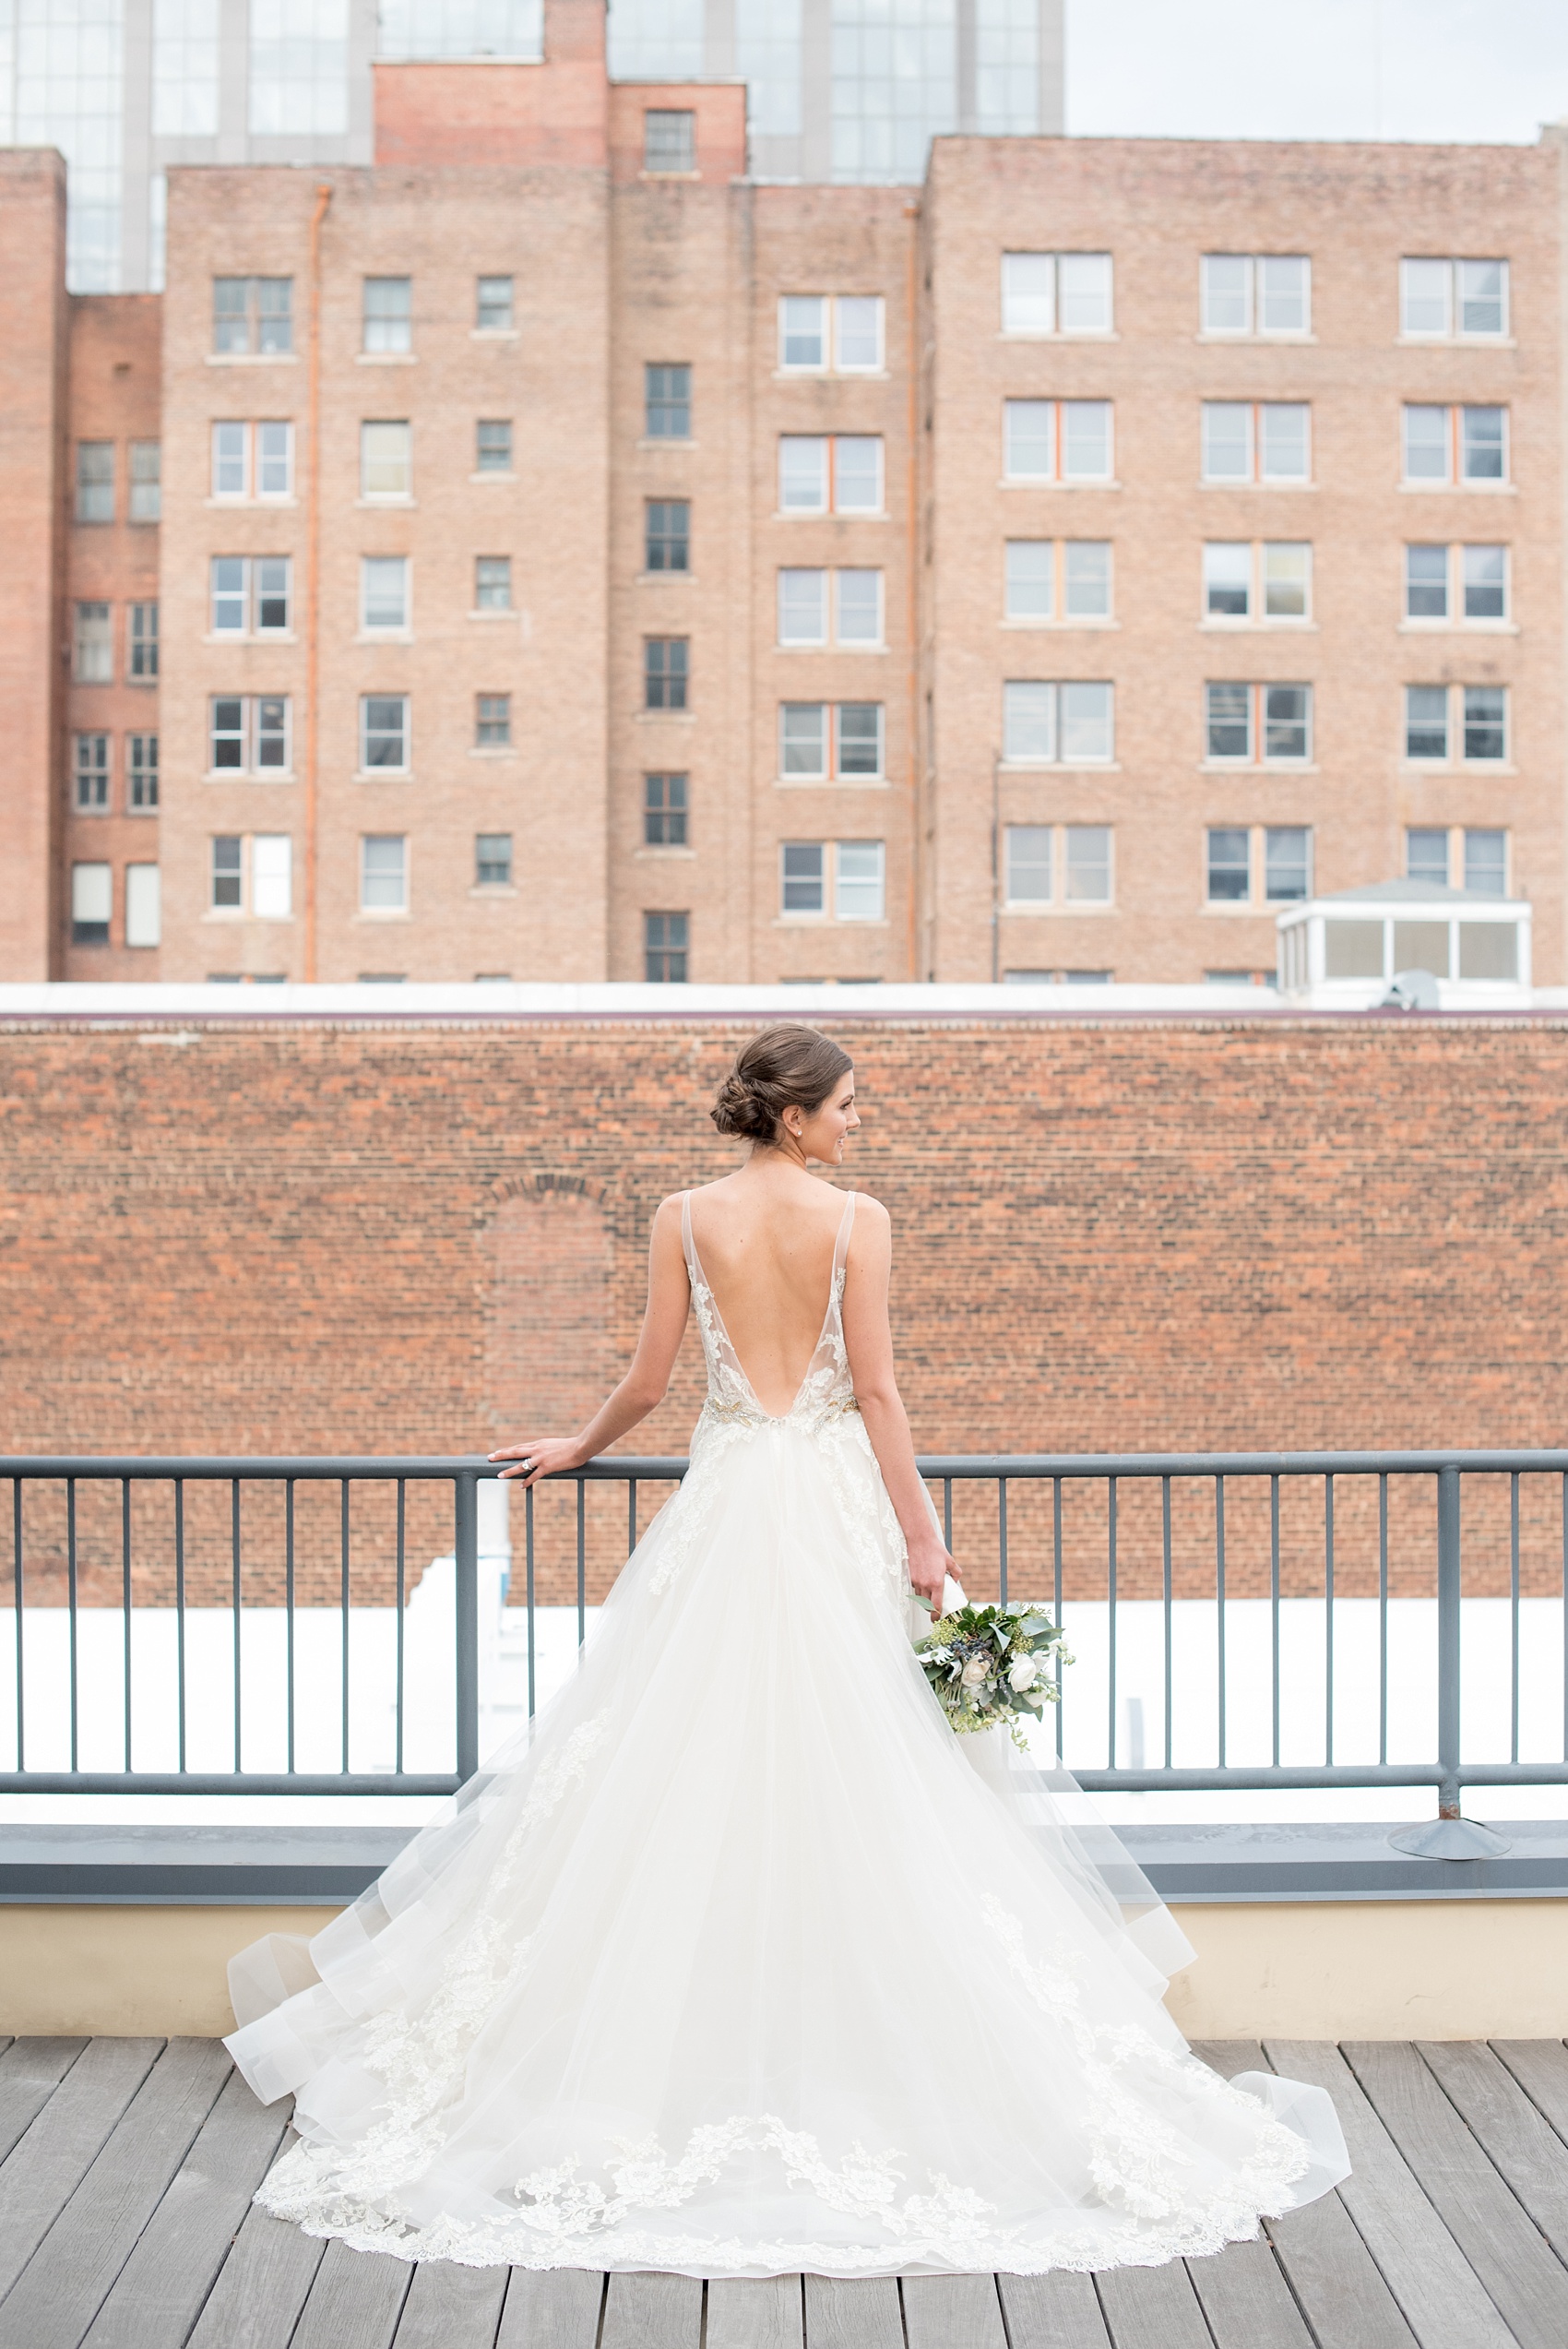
x,y
1022,1673
975,1670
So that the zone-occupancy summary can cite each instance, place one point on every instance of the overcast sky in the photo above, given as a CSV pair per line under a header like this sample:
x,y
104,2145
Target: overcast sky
x,y
1465,69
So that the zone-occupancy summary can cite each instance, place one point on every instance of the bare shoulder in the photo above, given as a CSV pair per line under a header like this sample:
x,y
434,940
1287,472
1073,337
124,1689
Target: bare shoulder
x,y
871,1211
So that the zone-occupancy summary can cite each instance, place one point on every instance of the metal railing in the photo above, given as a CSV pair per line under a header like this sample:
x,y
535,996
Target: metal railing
x,y
1239,1596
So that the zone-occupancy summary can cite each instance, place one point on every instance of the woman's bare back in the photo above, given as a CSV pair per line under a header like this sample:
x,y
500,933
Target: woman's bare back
x,y
767,1249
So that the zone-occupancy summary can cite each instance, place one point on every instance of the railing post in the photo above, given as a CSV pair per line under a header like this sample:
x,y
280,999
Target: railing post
x,y
1448,1651
465,1547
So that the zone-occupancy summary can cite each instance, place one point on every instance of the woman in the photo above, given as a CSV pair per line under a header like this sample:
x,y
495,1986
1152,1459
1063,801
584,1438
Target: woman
x,y
736,1965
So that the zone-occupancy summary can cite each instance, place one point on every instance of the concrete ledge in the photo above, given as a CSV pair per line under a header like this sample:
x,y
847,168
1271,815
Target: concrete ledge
x,y
1473,1968
1346,1861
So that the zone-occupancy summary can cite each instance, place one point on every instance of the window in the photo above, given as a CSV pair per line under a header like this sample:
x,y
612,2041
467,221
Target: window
x,y
1229,866
272,856
384,872
667,536
1478,724
92,904
1486,864
824,473
860,881
666,671
1055,293
384,592
144,909
384,733
1057,864
1443,300
228,874
253,459
1087,863
493,856
250,594
1449,445
1485,573
249,733
147,502
1265,294
92,658
1426,856
1051,578
1426,583
664,811
1067,725
143,667
493,583
91,771
386,460
253,315
666,943
1029,864
843,330
806,599
669,138
1482,573
667,403
388,314
1287,863
857,602
493,306
855,870
827,741
1056,440
1238,719
141,772
803,607
1271,580
1256,440
95,481
492,722
492,446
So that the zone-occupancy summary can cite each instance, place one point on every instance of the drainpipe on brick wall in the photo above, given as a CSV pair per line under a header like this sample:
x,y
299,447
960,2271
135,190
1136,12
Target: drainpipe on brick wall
x,y
912,214
313,579
996,868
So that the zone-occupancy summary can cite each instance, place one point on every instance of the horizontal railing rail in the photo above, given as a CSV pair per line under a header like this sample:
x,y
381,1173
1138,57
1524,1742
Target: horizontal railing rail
x,y
1254,1603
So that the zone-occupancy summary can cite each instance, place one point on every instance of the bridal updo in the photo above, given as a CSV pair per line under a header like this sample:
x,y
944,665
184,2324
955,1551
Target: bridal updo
x,y
785,1067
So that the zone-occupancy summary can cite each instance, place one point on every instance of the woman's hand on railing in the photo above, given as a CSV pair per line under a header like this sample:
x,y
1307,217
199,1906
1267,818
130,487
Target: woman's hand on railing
x,y
543,1456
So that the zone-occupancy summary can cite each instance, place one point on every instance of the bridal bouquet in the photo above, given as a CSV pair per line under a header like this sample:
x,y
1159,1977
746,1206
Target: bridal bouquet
x,y
991,1663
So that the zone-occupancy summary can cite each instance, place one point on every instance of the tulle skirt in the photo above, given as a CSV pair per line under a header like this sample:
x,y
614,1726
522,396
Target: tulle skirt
x,y
740,1963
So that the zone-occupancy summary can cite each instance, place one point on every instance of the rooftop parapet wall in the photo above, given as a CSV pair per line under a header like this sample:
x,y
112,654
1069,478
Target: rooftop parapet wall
x,y
490,111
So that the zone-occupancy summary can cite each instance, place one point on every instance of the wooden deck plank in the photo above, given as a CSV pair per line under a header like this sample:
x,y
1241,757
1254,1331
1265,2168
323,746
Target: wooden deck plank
x,y
355,2301
163,2285
1152,2307
31,2070
1525,2282
1524,2147
761,2312
1443,2299
68,2278
261,2286
953,2312
1060,2311
1540,2067
45,2167
853,2312
452,2307
552,2308
1333,2276
652,2312
1246,2301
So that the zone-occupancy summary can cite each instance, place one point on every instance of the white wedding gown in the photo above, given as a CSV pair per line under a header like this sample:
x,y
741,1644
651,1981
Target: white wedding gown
x,y
740,1962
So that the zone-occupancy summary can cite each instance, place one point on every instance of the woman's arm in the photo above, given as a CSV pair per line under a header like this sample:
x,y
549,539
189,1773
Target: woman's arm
x,y
868,1339
645,1384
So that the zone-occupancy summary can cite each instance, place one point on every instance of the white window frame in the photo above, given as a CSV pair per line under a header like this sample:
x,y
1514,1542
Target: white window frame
x,y
876,643
1454,330
379,335
1254,477
1051,273
1454,756
1256,897
398,913
252,493
795,642
827,498
92,899
831,853
1254,263
1257,614
249,593
394,631
367,774
250,739
1454,477
874,852
1257,754
832,361
1057,724
1060,864
876,366
1455,616
144,906
1058,552
831,769
404,497
1056,477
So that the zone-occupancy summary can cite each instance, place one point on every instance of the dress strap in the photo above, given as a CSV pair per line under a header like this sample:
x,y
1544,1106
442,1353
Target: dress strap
x,y
841,1245
688,1245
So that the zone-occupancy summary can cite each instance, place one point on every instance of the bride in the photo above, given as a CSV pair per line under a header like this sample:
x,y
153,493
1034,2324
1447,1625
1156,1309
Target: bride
x,y
739,1961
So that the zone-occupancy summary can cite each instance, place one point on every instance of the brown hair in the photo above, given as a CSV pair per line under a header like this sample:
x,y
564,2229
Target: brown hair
x,y
785,1067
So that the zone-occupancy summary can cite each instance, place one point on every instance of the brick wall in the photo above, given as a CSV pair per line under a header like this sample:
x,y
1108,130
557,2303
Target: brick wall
x,y
429,1238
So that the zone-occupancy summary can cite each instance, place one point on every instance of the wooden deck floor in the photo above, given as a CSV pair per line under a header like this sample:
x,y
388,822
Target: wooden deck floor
x,y
126,2168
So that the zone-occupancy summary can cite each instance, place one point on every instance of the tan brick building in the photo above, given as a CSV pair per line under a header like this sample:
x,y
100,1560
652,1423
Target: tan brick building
x,y
581,561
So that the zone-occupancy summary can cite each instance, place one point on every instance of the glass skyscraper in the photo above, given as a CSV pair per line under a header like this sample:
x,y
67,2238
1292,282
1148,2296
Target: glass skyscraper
x,y
839,89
